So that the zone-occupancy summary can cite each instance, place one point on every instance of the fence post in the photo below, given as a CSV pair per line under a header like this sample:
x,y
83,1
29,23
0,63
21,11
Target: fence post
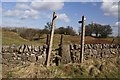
x,y
51,40
60,45
82,38
47,40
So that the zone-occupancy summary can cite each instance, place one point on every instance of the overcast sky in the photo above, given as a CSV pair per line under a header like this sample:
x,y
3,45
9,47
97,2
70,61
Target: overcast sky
x,y
36,14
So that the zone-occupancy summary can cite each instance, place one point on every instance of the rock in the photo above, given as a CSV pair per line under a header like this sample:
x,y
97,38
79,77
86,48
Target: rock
x,y
95,46
30,48
36,49
75,46
21,48
5,49
32,58
71,47
89,46
101,67
65,54
23,57
45,46
41,59
93,71
13,48
26,49
6,55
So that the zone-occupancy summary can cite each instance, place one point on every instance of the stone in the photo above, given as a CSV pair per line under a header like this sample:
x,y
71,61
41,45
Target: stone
x,y
41,59
13,48
89,46
30,48
75,46
21,48
95,46
99,51
65,55
79,46
40,48
71,47
6,55
26,49
32,58
93,71
45,46
5,49
24,58
36,49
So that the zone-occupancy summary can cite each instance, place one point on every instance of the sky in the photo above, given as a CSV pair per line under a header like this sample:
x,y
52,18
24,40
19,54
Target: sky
x,y
37,14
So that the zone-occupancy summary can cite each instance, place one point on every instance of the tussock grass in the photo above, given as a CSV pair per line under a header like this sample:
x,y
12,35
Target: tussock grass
x,y
88,69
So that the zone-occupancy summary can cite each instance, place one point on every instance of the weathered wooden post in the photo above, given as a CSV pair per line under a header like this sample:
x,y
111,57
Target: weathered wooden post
x,y
47,39
82,38
51,39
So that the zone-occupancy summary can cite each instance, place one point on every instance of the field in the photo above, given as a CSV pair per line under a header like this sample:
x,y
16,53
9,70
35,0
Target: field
x,y
94,68
9,38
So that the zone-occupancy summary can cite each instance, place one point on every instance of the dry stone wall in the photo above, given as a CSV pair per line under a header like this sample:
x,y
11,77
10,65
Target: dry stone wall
x,y
94,51
25,54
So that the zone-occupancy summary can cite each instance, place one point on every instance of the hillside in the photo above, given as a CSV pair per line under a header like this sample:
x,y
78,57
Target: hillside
x,y
9,38
92,68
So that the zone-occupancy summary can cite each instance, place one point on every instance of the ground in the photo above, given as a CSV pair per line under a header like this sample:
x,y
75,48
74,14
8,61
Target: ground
x,y
9,38
107,68
89,69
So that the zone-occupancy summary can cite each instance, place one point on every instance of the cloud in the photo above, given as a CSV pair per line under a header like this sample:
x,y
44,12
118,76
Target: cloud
x,y
63,17
0,9
12,13
22,6
117,24
32,10
47,5
30,13
22,0
110,8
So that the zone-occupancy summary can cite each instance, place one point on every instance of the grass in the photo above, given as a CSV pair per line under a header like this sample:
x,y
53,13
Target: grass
x,y
66,71
61,71
9,38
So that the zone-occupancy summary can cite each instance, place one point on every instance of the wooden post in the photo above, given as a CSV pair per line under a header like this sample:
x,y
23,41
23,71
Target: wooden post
x,y
51,40
82,38
47,40
61,39
60,45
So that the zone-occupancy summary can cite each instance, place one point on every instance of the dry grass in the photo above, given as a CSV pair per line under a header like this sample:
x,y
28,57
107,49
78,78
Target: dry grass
x,y
9,38
93,68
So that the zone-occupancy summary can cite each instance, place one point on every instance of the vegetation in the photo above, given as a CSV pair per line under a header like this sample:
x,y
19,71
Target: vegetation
x,y
92,68
66,31
96,68
99,30
9,38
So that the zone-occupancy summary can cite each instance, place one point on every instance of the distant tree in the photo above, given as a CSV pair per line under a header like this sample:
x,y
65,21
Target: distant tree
x,y
48,26
88,30
98,29
29,34
45,31
69,31
60,30
105,31
79,30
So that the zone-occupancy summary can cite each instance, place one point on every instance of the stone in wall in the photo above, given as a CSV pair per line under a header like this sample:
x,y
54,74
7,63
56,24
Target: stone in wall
x,y
32,58
65,54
